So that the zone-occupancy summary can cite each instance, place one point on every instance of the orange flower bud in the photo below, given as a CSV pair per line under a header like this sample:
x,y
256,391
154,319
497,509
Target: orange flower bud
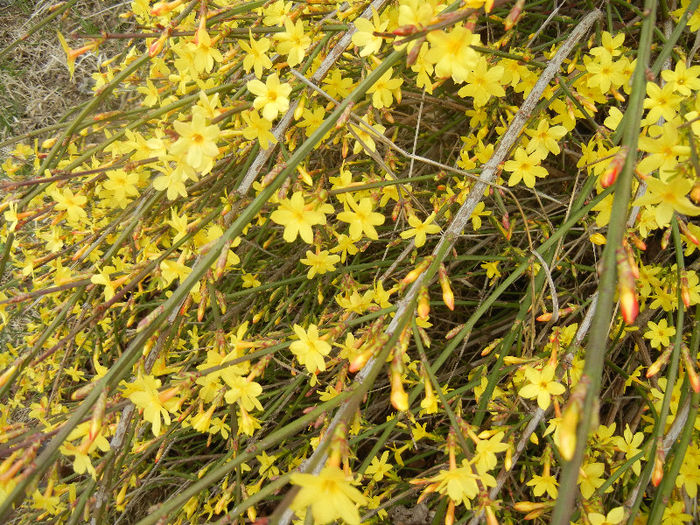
x,y
423,309
470,24
157,46
695,193
685,290
626,287
415,273
528,506
660,362
693,378
424,336
513,15
399,397
447,295
639,243
658,473
684,228
664,240
345,116
610,174
457,329
163,8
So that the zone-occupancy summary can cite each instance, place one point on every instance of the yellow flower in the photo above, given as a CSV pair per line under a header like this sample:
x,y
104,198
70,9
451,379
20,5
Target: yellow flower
x,y
144,394
378,467
669,197
73,204
419,229
660,334
197,143
385,89
361,218
483,83
172,270
293,42
271,97
524,167
203,52
255,57
364,136
614,517
661,102
590,478
683,79
319,263
364,36
541,385
451,53
604,73
297,217
544,139
243,392
258,128
330,496
310,348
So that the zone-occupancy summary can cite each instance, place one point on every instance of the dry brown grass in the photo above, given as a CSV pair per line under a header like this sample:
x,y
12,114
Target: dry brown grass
x,y
35,86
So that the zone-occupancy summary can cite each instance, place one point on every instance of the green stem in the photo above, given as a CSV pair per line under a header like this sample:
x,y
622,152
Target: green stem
x,y
595,356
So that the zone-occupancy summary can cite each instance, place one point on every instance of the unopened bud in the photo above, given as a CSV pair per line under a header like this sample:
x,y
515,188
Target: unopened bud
x,y
514,15
457,329
163,8
399,397
447,295
685,290
423,309
690,371
567,430
658,473
626,287
157,46
689,235
610,174
659,363
98,413
417,271
664,240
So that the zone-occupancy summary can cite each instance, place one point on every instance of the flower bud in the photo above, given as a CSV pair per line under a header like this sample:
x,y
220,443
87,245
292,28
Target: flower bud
x,y
98,413
399,397
626,287
405,30
685,290
163,8
658,473
447,295
610,174
693,378
689,235
457,329
567,430
664,240
659,363
415,273
157,46
513,15
423,309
